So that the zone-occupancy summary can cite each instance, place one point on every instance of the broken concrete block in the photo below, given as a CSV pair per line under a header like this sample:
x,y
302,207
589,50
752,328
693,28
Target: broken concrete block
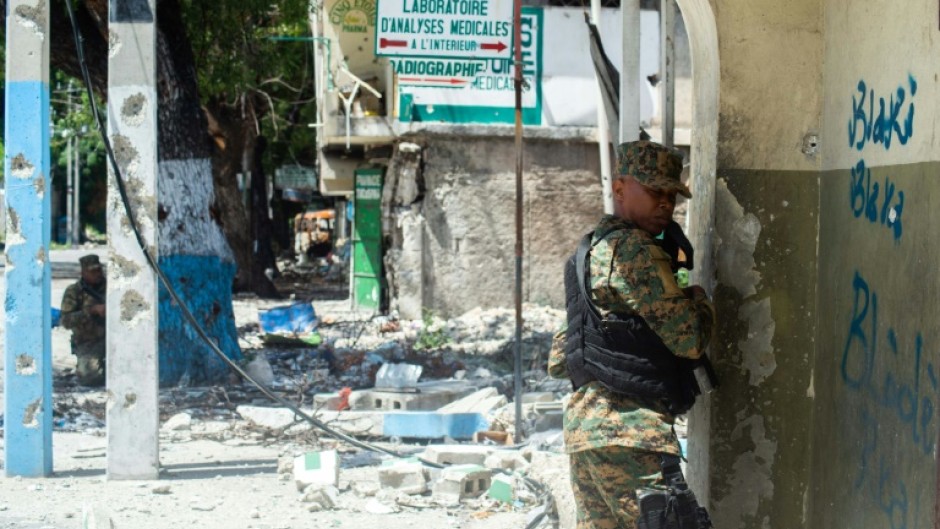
x,y
273,418
480,401
365,489
320,497
506,460
502,488
462,481
260,370
96,518
457,454
316,468
178,422
537,396
409,478
549,420
374,506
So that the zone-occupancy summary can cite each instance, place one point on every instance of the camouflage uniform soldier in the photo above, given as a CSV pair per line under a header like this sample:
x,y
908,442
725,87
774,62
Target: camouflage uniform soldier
x,y
614,442
83,312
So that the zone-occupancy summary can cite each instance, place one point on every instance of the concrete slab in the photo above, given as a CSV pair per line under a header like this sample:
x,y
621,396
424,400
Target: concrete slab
x,y
481,401
409,478
457,454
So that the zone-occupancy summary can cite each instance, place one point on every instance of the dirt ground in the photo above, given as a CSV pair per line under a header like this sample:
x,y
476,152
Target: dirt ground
x,y
220,472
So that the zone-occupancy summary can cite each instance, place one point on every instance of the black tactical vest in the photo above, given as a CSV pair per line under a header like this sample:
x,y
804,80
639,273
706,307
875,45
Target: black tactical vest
x,y
621,352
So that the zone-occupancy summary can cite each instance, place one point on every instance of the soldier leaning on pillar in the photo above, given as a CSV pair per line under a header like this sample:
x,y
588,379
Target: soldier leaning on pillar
x,y
83,312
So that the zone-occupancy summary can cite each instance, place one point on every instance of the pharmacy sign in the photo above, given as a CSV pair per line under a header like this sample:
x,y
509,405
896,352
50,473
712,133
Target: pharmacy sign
x,y
458,29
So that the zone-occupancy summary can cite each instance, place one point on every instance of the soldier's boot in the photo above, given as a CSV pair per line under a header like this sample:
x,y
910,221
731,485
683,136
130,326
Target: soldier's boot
x,y
90,370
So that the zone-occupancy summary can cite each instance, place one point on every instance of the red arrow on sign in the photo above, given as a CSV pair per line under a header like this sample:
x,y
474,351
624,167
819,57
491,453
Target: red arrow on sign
x,y
498,46
386,43
432,80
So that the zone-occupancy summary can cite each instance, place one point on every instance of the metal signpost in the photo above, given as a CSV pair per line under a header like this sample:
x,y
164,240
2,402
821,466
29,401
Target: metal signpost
x,y
468,29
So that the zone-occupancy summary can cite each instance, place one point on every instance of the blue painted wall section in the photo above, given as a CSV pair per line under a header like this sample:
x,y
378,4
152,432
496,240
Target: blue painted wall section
x,y
205,283
28,359
885,370
896,408
878,200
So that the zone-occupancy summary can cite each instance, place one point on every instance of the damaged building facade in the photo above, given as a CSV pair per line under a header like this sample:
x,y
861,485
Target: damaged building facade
x,y
446,161
814,154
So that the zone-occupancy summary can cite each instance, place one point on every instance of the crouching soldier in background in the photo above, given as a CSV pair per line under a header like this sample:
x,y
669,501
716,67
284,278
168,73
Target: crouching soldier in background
x,y
83,312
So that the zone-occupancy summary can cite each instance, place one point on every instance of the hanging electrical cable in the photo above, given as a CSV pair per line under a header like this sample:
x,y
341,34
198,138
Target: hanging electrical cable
x,y
540,489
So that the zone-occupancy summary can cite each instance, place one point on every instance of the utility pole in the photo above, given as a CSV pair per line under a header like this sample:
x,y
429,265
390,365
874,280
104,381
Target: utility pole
x,y
77,192
27,448
70,188
133,363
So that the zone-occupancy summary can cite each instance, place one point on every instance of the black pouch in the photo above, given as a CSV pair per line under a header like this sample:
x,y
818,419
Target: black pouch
x,y
673,508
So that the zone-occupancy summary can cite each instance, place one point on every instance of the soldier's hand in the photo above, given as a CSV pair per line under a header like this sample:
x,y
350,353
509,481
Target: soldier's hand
x,y
97,310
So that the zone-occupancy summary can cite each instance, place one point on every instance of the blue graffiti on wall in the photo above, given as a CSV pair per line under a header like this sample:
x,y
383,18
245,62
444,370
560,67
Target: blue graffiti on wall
x,y
893,118
907,395
866,195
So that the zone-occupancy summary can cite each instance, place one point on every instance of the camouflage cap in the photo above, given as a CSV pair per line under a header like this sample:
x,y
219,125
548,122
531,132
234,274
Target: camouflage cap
x,y
90,262
653,165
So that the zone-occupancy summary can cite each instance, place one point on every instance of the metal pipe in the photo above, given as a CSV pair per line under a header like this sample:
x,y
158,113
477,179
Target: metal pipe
x,y
667,65
630,72
603,129
517,368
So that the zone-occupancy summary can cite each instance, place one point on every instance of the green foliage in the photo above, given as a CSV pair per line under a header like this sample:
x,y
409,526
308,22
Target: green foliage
x,y
258,51
432,334
72,121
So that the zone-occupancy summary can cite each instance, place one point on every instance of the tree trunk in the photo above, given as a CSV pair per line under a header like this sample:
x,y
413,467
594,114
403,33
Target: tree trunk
x,y
234,132
263,255
193,250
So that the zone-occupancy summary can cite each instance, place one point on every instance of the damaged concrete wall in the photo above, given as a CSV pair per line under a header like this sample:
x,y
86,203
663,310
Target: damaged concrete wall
x,y
826,265
452,248
765,211
879,346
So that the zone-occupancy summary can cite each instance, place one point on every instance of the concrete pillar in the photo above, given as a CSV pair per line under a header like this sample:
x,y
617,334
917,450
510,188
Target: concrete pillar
x,y
630,72
133,419
28,358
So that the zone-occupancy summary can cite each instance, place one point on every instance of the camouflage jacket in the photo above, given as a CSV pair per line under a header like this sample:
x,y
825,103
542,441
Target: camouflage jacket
x,y
630,273
76,301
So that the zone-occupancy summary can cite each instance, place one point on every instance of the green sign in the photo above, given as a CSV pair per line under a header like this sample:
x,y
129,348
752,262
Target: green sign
x,y
472,91
467,29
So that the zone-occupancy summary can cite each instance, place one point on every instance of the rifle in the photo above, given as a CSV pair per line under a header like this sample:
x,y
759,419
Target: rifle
x,y
682,255
88,290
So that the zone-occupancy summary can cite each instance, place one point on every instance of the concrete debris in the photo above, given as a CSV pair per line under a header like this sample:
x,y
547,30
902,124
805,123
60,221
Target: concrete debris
x,y
482,401
510,460
457,454
316,468
96,518
461,481
320,498
366,489
161,489
260,369
374,506
179,422
408,478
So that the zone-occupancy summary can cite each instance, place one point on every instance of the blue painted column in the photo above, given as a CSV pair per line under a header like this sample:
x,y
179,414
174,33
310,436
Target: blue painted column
x,y
27,340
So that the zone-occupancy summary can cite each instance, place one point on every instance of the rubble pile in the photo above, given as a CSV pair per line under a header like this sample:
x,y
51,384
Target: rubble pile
x,y
483,481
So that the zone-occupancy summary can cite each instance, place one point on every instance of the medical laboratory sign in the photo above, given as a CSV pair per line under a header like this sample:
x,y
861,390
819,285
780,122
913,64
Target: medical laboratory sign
x,y
457,29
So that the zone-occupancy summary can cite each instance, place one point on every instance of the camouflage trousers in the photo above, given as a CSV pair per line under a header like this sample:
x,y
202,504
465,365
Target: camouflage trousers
x,y
91,362
605,481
